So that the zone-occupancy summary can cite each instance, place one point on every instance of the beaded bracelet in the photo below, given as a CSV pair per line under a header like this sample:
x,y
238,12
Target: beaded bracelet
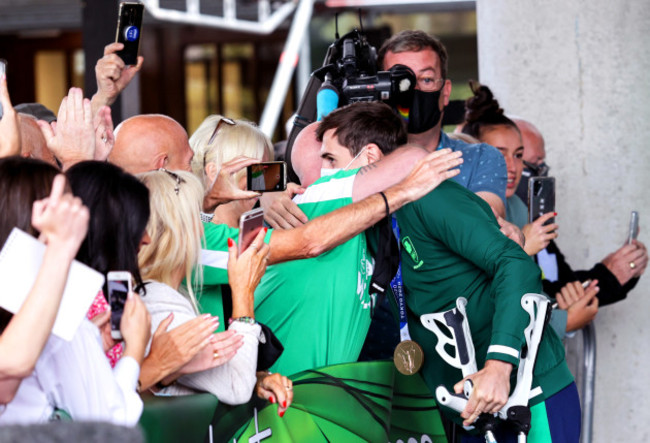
x,y
249,320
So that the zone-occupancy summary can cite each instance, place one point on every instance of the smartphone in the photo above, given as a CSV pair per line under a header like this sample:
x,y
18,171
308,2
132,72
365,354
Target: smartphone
x,y
250,224
541,198
634,227
129,30
3,71
267,177
119,285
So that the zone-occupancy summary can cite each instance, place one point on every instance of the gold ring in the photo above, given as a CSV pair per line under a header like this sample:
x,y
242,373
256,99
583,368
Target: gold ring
x,y
632,265
254,245
216,354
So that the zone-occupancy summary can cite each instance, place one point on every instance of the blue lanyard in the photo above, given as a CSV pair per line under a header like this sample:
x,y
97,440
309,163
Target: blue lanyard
x,y
397,285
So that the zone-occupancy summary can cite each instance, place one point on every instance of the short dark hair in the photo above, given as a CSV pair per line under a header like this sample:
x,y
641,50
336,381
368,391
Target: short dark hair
x,y
119,211
482,111
414,41
361,123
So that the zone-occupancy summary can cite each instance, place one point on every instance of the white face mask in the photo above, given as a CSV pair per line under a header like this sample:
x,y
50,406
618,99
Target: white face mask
x,y
331,171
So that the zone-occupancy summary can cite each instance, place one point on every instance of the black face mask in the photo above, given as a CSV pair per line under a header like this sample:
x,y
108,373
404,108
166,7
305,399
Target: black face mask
x,y
530,170
425,112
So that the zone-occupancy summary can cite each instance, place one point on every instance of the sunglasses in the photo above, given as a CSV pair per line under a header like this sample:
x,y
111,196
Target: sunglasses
x,y
216,128
175,177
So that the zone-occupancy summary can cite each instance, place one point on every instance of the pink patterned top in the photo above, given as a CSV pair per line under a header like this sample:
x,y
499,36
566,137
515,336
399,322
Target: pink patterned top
x,y
101,305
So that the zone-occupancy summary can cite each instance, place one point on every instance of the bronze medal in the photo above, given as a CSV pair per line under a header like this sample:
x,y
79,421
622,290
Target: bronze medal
x,y
408,357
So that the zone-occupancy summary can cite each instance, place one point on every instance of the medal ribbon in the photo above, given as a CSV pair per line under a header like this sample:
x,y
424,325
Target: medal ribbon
x,y
397,286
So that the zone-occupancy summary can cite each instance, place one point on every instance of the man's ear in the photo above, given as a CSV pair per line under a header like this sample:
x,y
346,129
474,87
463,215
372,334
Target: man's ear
x,y
373,153
161,161
446,91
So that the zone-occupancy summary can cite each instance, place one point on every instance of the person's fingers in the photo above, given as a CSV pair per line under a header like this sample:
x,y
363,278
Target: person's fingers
x,y
257,242
162,327
277,222
232,252
561,301
264,251
112,48
46,130
244,195
573,291
101,319
139,64
87,113
4,95
58,188
63,110
295,213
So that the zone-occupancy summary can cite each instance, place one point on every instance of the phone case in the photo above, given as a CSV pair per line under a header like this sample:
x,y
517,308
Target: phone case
x,y
541,198
250,224
129,29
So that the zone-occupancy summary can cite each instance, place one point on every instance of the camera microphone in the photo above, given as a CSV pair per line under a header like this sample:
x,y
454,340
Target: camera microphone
x,y
327,99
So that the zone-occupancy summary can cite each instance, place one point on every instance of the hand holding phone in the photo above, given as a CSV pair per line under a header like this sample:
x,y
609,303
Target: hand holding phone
x,y
633,231
250,224
119,285
267,177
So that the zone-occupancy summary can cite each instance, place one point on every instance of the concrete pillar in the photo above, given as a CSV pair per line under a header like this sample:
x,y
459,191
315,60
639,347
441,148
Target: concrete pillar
x,y
580,70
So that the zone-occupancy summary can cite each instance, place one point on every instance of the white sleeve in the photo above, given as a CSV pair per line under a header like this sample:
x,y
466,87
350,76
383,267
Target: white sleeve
x,y
233,382
77,377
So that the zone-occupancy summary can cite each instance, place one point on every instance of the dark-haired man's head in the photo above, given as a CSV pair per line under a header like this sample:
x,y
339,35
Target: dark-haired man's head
x,y
359,134
426,56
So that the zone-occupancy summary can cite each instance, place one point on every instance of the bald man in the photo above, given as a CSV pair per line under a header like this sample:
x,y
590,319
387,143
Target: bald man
x,y
305,155
151,141
33,142
617,273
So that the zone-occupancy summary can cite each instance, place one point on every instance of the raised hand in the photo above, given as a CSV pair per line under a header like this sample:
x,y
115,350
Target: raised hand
x,y
580,303
280,211
135,327
538,235
275,388
627,262
429,172
112,76
9,125
224,189
61,218
72,138
245,273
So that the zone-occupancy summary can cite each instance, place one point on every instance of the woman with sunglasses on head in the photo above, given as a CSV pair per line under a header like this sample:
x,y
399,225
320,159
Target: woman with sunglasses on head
x,y
172,256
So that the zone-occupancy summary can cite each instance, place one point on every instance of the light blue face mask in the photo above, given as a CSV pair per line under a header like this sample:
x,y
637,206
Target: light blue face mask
x,y
324,172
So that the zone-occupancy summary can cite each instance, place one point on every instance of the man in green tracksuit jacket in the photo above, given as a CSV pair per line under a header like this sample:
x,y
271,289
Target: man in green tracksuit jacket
x,y
452,247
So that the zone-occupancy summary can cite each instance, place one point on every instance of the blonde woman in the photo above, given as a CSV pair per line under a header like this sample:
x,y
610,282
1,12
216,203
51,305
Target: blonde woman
x,y
176,231
218,142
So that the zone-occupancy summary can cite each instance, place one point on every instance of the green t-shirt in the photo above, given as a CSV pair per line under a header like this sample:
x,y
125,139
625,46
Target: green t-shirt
x,y
452,247
319,308
214,259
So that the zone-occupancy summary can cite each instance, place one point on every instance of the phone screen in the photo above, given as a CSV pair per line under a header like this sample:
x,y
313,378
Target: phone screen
x,y
129,28
541,198
267,177
250,224
117,293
